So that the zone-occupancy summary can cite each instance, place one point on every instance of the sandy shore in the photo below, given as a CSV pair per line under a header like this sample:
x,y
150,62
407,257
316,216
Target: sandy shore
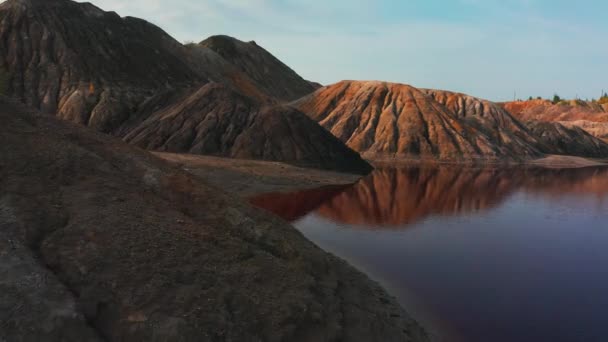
x,y
250,177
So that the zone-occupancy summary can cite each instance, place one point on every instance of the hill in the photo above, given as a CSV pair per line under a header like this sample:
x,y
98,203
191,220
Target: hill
x,y
94,68
590,116
386,120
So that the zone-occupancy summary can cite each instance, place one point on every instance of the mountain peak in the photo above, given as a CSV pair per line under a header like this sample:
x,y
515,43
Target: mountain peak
x,y
273,76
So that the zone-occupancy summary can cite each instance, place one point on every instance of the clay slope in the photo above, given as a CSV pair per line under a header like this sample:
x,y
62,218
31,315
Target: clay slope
x,y
385,120
102,241
575,141
590,116
215,120
488,117
273,77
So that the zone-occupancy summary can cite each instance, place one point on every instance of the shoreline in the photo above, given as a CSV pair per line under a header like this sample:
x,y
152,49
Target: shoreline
x,y
248,178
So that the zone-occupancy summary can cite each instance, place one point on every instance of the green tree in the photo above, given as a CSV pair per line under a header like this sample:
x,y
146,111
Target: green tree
x,y
556,99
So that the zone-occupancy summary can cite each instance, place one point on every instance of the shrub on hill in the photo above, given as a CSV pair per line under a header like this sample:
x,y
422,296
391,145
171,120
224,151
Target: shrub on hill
x,y
556,99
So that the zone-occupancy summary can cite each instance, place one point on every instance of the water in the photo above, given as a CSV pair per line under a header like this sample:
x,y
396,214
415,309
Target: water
x,y
500,254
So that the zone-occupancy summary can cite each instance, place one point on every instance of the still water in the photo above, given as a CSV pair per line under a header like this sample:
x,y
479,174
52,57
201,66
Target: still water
x,y
475,255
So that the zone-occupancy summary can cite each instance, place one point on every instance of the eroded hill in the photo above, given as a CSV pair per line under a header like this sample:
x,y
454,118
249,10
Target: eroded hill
x,y
112,74
389,121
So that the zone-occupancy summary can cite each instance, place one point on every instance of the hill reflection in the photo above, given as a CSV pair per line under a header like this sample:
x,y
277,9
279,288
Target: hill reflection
x,y
397,197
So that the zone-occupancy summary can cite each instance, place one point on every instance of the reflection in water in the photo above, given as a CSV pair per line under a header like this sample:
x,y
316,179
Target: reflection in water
x,y
493,254
396,197
295,205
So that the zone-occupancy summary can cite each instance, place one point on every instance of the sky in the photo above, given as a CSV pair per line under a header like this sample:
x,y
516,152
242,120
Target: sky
x,y
494,49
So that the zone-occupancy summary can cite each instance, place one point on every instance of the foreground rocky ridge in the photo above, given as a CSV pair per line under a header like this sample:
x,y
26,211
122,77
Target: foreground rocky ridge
x,y
97,69
115,244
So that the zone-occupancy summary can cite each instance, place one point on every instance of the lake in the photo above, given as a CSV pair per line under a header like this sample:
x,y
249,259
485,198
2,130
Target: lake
x,y
510,254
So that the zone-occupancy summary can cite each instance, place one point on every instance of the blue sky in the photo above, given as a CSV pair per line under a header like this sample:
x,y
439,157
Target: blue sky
x,y
486,48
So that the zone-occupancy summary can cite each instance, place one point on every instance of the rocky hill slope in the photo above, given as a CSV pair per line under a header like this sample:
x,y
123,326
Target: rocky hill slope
x,y
103,241
387,120
110,73
215,120
562,140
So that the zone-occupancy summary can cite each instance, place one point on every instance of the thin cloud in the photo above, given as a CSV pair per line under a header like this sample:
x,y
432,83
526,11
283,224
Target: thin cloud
x,y
501,46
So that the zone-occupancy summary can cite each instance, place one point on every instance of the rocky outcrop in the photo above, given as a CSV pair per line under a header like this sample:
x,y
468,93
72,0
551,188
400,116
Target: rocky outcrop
x,y
574,141
215,120
103,241
590,116
271,75
386,120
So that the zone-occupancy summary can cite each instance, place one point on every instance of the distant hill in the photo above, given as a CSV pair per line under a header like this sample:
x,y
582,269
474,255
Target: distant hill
x,y
389,121
386,120
590,116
